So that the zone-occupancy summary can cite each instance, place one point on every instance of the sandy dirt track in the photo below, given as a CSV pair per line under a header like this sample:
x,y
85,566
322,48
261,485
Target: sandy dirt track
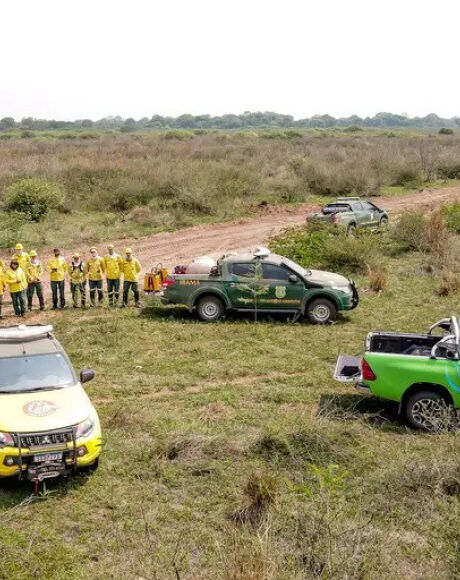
x,y
179,247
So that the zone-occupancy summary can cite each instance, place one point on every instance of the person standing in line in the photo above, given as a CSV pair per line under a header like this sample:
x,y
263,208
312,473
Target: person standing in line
x,y
95,267
57,269
131,269
77,273
22,257
2,285
113,266
16,280
34,273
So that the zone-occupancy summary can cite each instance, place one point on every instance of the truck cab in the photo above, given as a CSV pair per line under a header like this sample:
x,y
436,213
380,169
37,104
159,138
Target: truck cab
x,y
48,426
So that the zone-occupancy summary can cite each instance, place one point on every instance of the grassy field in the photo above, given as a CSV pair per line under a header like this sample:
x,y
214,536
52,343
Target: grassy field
x,y
118,186
230,452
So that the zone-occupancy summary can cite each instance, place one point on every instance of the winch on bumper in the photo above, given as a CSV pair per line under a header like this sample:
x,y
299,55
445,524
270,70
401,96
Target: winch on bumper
x,y
355,298
45,455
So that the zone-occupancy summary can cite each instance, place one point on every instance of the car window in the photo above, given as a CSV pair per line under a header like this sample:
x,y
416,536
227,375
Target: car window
x,y
368,206
335,208
272,272
27,373
358,207
244,270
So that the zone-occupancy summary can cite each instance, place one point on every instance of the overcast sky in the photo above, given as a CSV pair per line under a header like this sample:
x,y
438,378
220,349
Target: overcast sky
x,y
68,59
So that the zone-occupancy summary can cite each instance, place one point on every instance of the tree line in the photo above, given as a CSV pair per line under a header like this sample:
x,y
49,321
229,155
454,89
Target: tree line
x,y
247,120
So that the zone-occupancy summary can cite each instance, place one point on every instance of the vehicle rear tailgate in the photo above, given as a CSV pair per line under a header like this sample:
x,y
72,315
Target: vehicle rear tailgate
x,y
348,368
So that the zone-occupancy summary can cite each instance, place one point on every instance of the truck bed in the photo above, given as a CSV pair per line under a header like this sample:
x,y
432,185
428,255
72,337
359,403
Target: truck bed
x,y
399,343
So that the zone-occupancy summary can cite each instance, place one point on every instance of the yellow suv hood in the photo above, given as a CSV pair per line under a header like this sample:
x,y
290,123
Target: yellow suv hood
x,y
42,411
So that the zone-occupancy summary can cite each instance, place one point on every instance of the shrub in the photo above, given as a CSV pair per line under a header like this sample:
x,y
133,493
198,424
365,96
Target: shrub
x,y
452,216
326,248
449,284
32,199
140,214
353,129
445,131
378,277
436,232
177,134
449,170
407,177
410,231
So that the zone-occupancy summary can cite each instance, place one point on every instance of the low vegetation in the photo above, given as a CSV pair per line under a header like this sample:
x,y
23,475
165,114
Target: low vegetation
x,y
113,185
230,452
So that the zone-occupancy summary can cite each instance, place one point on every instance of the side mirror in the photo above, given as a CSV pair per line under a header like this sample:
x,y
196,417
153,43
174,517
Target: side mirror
x,y
293,278
86,375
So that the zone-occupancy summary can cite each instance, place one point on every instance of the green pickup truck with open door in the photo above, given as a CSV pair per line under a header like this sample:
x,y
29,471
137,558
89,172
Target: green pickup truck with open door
x,y
419,371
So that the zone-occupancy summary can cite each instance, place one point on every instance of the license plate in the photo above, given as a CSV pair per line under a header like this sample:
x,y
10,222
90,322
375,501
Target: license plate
x,y
47,457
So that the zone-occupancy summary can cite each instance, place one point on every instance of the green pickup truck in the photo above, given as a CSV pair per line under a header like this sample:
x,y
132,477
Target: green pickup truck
x,y
281,286
351,214
419,371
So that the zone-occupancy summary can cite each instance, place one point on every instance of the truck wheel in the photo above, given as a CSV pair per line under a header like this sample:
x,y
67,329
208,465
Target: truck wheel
x,y
383,223
321,311
428,411
210,309
351,230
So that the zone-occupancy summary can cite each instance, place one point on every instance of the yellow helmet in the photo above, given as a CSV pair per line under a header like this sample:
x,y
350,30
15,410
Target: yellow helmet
x,y
32,253
128,251
75,255
18,247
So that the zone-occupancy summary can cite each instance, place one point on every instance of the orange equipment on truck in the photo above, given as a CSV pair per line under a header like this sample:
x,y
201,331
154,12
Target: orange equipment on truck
x,y
154,279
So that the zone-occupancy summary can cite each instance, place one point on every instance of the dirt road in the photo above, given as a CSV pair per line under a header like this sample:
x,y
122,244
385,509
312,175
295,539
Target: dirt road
x,y
179,247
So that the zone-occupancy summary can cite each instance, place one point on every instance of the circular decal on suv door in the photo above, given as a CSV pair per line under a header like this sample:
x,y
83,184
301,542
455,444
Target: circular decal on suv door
x,y
39,408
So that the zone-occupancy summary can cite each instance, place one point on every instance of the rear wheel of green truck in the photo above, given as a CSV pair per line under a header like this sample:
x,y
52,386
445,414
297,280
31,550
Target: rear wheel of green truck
x,y
429,411
383,224
321,311
351,230
210,309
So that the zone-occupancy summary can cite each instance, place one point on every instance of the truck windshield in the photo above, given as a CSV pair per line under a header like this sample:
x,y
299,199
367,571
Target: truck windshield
x,y
296,268
34,373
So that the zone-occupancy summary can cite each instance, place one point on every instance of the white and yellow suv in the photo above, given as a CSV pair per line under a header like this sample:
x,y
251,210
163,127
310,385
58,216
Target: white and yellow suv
x,y
48,426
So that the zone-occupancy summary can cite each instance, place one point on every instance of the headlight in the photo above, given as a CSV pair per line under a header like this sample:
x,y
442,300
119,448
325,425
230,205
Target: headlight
x,y
6,440
345,288
85,428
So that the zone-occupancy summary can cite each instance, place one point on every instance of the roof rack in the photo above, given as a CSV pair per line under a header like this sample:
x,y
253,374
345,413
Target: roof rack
x,y
261,252
345,199
23,332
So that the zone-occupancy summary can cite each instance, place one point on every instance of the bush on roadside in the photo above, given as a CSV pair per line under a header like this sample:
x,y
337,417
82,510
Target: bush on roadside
x,y
452,216
410,231
409,177
326,248
32,199
449,284
377,275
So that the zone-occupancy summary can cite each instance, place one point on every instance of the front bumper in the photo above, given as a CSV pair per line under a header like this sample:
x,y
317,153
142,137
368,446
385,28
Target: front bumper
x,y
24,467
355,295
